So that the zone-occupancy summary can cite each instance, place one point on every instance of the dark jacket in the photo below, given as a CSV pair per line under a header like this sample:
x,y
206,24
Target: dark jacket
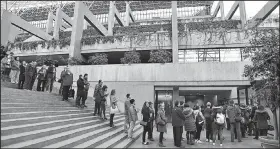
x,y
146,114
161,117
261,117
21,72
208,114
152,111
67,78
97,90
42,73
80,87
50,72
233,112
103,96
178,117
190,120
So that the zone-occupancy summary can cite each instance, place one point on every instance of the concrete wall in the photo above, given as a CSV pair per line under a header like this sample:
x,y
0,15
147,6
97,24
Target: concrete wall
x,y
140,79
41,51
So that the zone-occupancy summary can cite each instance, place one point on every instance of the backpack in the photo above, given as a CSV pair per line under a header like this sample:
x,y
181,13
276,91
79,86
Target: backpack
x,y
221,119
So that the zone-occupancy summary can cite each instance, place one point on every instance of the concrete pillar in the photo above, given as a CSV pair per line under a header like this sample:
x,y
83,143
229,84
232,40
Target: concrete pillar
x,y
14,31
85,24
77,31
238,97
5,28
174,33
176,94
50,23
127,17
246,96
57,24
242,10
222,10
111,18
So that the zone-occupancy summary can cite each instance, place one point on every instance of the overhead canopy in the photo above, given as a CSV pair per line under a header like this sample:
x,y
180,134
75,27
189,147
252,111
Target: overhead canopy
x,y
38,10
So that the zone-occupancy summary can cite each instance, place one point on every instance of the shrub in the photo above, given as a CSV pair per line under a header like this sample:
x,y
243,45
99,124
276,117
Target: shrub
x,y
98,59
131,57
160,56
76,61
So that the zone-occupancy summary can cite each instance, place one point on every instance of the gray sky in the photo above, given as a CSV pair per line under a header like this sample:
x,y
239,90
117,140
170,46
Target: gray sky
x,y
252,8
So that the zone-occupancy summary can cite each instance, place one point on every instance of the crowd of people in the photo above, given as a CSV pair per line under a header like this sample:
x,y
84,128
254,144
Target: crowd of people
x,y
24,74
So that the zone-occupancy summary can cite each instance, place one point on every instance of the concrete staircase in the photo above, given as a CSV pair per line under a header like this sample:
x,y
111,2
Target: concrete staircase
x,y
32,119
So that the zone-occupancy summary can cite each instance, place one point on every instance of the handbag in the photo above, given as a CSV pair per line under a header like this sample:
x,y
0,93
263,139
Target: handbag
x,y
59,80
270,127
71,92
114,110
160,121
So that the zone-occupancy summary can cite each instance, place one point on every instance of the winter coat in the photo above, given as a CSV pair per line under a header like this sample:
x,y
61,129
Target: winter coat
x,y
51,72
21,72
126,107
152,112
207,114
86,85
97,90
161,117
233,112
261,117
42,74
178,117
80,87
146,114
67,78
190,119
132,114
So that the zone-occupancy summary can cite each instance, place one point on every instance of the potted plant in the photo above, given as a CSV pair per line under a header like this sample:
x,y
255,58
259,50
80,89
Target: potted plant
x,y
131,57
160,56
98,59
265,67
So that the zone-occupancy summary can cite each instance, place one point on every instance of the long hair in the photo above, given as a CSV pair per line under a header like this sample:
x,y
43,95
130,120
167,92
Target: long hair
x,y
104,87
113,92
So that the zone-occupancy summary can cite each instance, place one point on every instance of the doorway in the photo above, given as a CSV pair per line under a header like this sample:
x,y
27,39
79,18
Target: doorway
x,y
165,96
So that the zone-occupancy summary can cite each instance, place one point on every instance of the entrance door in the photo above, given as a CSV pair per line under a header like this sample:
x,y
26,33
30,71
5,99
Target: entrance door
x,y
166,97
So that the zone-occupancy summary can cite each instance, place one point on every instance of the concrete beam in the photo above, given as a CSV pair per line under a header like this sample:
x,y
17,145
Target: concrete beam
x,y
111,18
128,14
267,9
66,18
50,23
174,33
242,10
118,17
232,10
9,19
131,15
220,7
57,24
216,10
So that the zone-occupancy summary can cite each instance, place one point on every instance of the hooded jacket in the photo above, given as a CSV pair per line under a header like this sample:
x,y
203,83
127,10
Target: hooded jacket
x,y
261,117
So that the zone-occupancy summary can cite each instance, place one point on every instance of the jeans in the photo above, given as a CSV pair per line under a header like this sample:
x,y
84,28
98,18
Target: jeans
x,y
66,92
190,137
112,120
41,82
261,132
84,98
218,131
160,137
209,134
235,125
228,123
150,132
145,130
198,131
177,135
126,122
14,75
131,127
78,100
103,109
97,108
49,84
20,84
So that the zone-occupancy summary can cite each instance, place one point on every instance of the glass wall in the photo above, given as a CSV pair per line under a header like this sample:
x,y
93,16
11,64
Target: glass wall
x,y
210,55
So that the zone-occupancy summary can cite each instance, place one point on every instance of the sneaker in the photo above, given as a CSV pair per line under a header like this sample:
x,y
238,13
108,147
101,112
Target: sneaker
x,y
198,141
221,144
195,141
214,144
210,141
85,106
161,145
151,139
207,140
145,143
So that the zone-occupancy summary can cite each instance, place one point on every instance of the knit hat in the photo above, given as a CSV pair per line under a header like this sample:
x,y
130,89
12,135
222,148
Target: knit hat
x,y
208,104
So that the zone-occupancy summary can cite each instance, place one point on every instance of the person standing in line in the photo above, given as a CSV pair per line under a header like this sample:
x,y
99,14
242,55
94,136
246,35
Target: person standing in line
x,y
181,106
132,117
220,122
61,82
4,62
103,102
261,116
50,77
146,118
152,118
114,107
28,76
126,110
234,114
21,75
86,88
14,74
252,126
97,97
199,122
178,119
67,78
34,74
189,124
161,122
80,90
208,122
42,73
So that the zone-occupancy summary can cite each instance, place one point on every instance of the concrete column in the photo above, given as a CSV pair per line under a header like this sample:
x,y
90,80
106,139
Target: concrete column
x,y
246,96
238,97
111,18
50,23
77,31
57,24
85,24
5,27
242,10
176,94
174,33
222,10
127,17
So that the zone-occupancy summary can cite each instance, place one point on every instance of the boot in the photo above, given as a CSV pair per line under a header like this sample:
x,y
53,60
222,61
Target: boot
x,y
188,138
